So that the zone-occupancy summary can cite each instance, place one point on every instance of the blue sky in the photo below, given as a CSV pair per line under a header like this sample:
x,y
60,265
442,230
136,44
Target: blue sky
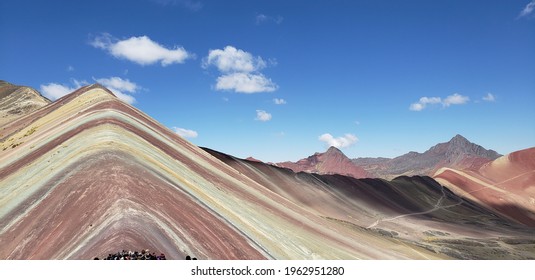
x,y
280,80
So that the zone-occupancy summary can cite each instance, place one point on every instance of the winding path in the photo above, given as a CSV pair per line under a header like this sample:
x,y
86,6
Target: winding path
x,y
436,207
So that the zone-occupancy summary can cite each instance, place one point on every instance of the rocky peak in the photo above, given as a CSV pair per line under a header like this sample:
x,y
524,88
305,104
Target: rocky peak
x,y
333,151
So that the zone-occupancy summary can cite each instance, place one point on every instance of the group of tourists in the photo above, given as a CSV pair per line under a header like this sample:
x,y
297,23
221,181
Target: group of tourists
x,y
134,255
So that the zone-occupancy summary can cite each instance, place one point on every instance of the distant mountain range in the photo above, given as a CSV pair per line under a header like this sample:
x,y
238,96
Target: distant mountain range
x,y
457,153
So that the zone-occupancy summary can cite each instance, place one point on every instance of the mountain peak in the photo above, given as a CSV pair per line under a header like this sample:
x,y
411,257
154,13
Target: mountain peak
x,y
333,150
332,161
459,139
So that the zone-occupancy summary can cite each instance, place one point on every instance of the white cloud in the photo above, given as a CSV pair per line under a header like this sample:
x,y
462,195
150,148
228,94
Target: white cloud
x,y
239,71
422,103
70,68
55,91
119,86
245,83
455,99
528,9
141,50
186,133
489,97
416,107
340,142
262,115
279,101
231,60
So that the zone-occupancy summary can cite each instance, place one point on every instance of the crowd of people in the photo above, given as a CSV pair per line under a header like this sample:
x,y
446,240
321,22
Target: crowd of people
x,y
134,255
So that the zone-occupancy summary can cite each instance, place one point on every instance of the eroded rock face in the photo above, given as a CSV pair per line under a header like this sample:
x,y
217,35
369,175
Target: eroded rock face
x,y
18,101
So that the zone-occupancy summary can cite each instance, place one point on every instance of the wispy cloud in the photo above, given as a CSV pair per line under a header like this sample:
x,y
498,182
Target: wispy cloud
x,y
528,10
262,115
454,99
186,133
70,68
339,142
240,71
189,4
121,88
279,101
262,18
489,97
54,91
141,50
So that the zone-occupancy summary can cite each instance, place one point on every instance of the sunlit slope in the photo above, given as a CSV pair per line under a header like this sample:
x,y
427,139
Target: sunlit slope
x,y
18,101
505,185
89,175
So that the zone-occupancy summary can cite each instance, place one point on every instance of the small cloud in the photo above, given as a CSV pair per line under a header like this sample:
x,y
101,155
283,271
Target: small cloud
x,y
489,97
528,10
279,101
262,115
225,99
422,103
416,107
239,71
70,68
454,99
119,86
231,60
245,83
340,142
55,91
189,4
261,18
186,133
141,50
